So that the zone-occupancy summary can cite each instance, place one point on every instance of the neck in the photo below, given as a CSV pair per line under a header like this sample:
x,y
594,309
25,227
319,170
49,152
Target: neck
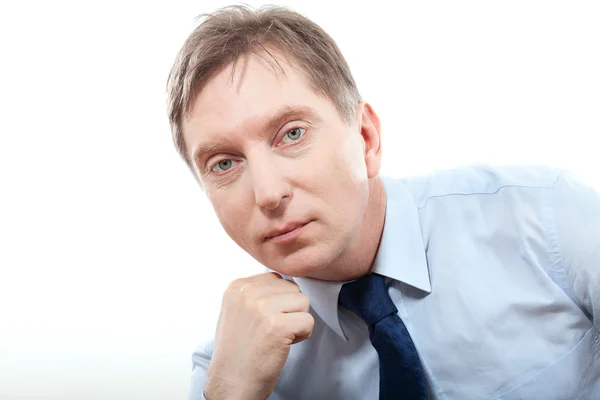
x,y
358,258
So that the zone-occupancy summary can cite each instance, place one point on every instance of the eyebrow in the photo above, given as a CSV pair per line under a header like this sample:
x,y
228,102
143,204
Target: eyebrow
x,y
283,115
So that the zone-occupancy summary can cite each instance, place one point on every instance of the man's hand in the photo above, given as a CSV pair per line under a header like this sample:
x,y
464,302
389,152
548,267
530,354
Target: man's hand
x,y
261,317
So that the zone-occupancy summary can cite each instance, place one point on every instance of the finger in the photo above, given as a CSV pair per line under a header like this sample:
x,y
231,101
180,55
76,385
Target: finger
x,y
283,303
265,285
265,276
300,324
273,278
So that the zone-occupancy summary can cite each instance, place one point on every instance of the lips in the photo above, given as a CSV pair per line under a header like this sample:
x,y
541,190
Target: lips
x,y
284,229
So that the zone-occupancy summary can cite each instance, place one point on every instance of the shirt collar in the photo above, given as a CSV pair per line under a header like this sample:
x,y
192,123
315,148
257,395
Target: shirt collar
x,y
401,255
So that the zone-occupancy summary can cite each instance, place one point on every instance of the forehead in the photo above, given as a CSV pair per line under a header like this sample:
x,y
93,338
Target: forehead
x,y
240,97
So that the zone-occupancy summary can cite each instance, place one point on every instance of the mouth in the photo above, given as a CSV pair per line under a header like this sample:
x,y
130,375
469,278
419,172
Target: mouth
x,y
287,233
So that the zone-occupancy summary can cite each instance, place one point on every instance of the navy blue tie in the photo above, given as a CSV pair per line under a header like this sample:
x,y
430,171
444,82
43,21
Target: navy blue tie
x,y
400,372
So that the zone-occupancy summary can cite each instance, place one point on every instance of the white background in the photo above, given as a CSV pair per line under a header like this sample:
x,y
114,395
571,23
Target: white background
x,y
111,262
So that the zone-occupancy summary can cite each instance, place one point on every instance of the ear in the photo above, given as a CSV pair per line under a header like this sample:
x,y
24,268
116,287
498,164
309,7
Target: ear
x,y
370,130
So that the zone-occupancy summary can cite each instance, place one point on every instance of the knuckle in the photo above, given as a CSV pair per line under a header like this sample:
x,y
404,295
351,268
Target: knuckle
x,y
310,320
247,289
274,325
293,286
236,285
304,301
240,291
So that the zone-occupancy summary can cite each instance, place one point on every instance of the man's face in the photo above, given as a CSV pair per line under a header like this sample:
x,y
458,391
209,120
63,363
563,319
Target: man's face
x,y
286,175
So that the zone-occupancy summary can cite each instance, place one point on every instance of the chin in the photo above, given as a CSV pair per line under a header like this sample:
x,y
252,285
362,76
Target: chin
x,y
308,262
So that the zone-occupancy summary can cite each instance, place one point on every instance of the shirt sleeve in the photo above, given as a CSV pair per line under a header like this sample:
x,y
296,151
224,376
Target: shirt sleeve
x,y
200,361
577,217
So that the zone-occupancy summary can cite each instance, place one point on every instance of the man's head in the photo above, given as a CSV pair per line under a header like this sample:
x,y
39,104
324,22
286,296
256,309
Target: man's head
x,y
266,113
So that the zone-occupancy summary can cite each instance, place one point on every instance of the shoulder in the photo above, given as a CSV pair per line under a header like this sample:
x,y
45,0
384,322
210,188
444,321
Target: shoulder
x,y
479,180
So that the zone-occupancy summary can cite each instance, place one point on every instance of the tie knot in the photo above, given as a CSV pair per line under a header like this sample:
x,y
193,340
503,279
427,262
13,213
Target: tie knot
x,y
368,298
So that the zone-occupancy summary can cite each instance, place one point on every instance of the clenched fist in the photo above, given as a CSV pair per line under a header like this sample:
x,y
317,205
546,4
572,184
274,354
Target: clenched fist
x,y
261,317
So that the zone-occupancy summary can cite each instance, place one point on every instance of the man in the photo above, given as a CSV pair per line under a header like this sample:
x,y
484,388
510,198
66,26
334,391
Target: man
x,y
479,283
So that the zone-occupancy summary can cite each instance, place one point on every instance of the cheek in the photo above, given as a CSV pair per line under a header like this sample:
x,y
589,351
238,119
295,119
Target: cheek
x,y
342,160
354,158
340,173
234,216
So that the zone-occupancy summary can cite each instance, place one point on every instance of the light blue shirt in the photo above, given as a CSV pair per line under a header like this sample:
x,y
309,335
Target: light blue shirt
x,y
496,274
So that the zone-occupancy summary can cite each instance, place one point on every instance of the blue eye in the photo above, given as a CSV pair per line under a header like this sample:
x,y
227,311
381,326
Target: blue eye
x,y
293,135
222,166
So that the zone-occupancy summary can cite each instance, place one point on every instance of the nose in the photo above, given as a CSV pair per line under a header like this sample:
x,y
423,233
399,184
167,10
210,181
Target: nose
x,y
270,185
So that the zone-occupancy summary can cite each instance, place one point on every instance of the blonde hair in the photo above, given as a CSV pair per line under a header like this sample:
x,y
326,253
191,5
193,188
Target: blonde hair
x,y
223,37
